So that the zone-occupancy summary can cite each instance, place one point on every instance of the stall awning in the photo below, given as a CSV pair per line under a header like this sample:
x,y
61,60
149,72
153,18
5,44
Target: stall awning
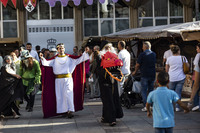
x,y
191,35
148,33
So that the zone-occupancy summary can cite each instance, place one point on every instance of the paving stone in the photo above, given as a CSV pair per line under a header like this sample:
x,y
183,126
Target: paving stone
x,y
88,121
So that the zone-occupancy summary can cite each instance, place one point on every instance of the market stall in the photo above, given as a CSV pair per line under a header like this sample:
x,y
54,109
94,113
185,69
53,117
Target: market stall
x,y
160,37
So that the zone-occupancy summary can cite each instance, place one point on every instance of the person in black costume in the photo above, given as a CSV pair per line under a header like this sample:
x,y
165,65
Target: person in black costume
x,y
11,88
108,91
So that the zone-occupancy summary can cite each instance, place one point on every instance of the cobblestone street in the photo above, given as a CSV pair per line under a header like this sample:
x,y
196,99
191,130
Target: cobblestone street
x,y
88,121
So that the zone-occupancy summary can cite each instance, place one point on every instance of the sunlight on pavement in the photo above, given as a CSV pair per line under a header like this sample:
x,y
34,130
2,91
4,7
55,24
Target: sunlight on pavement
x,y
93,103
35,125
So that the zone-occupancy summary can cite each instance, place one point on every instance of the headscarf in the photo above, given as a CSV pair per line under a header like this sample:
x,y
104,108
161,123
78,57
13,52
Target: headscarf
x,y
9,66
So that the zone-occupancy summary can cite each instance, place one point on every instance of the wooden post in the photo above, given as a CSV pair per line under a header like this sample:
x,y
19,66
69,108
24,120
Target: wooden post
x,y
22,27
187,14
133,17
78,27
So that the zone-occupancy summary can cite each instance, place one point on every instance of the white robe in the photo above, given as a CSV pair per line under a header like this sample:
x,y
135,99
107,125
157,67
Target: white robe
x,y
64,86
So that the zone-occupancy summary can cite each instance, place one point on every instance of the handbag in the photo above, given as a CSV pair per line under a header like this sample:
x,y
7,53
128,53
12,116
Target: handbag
x,y
186,69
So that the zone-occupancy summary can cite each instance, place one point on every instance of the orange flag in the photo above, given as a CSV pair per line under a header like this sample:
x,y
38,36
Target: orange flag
x,y
14,2
4,2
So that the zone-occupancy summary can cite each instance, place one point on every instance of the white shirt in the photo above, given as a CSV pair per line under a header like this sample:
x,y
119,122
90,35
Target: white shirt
x,y
175,68
125,56
1,62
167,54
196,59
34,54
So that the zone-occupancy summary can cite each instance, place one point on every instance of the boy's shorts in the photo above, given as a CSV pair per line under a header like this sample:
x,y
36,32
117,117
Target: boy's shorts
x,y
164,130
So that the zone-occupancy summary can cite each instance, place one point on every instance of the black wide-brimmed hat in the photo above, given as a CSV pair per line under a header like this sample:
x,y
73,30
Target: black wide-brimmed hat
x,y
103,43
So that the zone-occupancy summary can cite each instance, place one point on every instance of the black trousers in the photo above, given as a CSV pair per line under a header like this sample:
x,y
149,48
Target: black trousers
x,y
29,98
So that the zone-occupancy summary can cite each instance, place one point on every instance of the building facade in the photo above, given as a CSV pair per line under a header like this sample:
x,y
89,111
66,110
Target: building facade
x,y
72,24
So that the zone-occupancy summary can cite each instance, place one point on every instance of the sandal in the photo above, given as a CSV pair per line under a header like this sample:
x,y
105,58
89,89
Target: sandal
x,y
70,115
112,124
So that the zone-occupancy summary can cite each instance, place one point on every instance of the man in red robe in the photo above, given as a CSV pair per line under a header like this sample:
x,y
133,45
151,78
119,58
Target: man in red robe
x,y
50,103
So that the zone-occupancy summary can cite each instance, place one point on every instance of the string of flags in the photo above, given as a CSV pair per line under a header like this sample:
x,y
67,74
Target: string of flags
x,y
28,4
77,2
31,4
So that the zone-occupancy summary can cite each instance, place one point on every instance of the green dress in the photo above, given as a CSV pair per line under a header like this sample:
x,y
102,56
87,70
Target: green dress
x,y
32,77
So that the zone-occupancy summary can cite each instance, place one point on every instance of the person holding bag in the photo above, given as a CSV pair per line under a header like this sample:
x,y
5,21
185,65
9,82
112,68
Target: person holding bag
x,y
174,66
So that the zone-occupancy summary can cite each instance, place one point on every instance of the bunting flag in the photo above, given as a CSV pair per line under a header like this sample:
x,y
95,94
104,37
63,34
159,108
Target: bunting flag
x,y
89,2
78,2
4,2
29,5
64,2
14,2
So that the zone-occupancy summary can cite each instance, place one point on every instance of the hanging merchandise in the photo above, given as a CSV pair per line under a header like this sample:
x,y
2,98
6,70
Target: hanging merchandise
x,y
4,2
29,5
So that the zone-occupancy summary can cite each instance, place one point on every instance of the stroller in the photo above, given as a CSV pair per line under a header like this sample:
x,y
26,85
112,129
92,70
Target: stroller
x,y
131,94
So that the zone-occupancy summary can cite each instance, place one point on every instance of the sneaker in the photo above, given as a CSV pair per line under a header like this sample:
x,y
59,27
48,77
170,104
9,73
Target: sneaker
x,y
195,108
178,110
144,109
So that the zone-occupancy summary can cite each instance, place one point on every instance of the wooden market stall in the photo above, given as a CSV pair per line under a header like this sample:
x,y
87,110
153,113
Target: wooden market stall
x,y
160,38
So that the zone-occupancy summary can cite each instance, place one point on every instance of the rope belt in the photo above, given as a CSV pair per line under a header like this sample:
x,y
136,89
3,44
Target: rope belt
x,y
68,75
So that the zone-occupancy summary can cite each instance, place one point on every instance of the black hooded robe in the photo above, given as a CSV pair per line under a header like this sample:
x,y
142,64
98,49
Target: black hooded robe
x,y
11,88
110,97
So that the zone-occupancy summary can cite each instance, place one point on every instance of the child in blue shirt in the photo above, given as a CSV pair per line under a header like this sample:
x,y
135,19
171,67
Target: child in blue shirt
x,y
163,111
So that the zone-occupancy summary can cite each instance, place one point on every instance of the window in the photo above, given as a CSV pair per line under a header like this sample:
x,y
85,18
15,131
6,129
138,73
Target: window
x,y
9,22
68,12
160,8
33,15
44,12
56,11
92,27
122,17
160,12
176,12
106,18
146,14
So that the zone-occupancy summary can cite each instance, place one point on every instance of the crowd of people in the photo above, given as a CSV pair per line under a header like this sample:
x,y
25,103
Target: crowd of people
x,y
21,78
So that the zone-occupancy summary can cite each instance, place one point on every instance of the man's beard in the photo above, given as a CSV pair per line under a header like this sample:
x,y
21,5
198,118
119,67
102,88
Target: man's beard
x,y
103,51
28,64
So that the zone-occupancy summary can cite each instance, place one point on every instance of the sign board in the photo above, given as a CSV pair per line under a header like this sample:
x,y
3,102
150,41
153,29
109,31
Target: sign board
x,y
48,33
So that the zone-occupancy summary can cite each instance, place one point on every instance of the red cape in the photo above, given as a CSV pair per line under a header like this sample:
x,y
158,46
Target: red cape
x,y
48,89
